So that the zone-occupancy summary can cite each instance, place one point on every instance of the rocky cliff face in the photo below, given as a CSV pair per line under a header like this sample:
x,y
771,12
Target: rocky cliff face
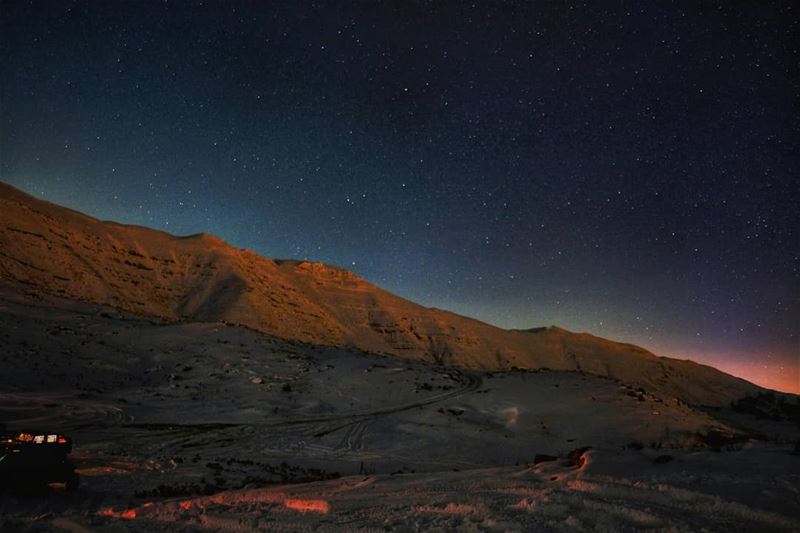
x,y
59,251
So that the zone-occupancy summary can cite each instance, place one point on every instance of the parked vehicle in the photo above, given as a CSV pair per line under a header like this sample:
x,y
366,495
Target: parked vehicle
x,y
31,460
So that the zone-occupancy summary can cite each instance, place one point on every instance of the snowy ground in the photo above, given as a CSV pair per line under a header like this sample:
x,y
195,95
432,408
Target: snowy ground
x,y
212,427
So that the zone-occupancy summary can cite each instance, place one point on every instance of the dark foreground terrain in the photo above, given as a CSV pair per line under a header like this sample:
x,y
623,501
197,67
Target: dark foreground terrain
x,y
206,426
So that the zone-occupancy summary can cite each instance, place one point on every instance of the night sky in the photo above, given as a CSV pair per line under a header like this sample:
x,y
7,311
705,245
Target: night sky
x,y
627,171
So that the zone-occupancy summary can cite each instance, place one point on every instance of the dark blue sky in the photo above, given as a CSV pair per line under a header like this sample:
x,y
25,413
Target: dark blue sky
x,y
628,171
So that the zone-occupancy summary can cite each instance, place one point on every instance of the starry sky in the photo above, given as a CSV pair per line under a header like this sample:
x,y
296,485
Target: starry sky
x,y
630,171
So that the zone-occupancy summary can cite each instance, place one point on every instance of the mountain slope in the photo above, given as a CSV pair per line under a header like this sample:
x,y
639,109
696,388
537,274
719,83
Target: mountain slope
x,y
201,278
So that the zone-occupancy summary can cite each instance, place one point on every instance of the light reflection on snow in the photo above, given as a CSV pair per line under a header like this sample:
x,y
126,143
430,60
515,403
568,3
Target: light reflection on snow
x,y
316,506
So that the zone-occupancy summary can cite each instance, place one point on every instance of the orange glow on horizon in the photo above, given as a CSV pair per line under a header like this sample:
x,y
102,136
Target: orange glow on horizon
x,y
780,374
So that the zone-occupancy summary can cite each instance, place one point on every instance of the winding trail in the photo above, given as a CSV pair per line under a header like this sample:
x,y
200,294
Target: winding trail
x,y
470,382
356,423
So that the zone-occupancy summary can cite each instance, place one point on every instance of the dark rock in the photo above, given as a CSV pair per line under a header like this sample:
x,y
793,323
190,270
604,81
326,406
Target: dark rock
x,y
576,458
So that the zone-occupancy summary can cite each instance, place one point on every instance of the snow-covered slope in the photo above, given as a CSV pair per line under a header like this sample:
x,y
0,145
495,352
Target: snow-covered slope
x,y
187,426
201,278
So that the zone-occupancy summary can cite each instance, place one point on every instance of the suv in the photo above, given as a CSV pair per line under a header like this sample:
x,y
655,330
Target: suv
x,y
34,460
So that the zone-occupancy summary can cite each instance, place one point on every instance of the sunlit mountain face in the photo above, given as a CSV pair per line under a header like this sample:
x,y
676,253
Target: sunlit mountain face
x,y
201,278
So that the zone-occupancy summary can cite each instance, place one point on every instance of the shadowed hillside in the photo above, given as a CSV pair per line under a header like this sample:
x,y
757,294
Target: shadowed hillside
x,y
201,278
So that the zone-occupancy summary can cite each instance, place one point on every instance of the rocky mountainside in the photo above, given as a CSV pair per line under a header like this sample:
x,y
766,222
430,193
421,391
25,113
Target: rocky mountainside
x,y
58,251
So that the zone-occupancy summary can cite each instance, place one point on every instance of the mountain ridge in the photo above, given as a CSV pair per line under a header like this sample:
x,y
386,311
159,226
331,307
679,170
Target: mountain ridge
x,y
200,277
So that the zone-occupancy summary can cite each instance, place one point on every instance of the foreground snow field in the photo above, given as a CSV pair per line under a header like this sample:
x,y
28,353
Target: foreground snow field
x,y
204,426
